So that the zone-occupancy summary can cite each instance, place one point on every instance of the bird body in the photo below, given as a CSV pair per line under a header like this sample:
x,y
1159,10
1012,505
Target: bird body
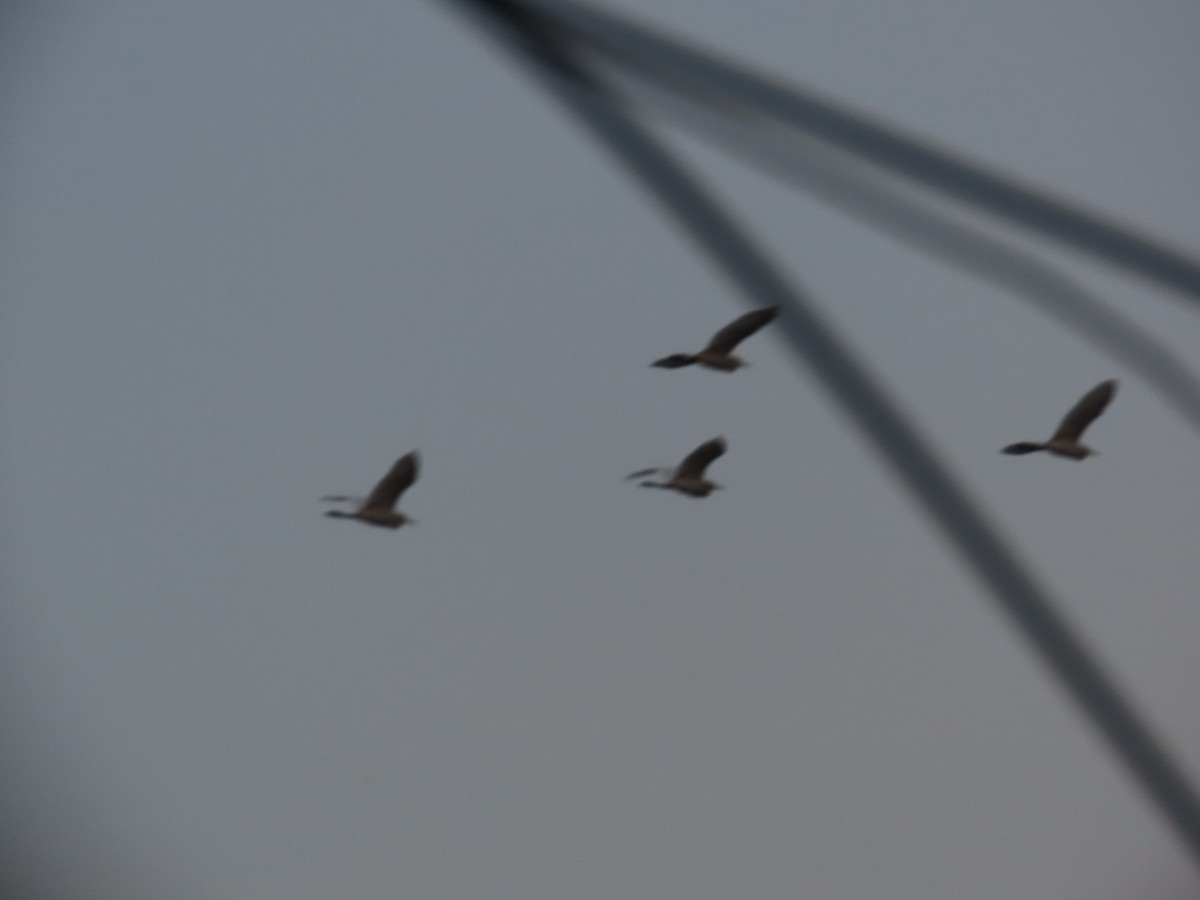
x,y
688,478
384,518
718,354
1065,440
379,506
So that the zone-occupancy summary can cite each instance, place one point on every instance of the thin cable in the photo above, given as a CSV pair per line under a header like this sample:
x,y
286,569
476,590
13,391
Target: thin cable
x,y
657,54
1026,603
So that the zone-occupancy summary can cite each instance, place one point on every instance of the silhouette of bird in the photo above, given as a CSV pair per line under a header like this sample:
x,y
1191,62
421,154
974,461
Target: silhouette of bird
x,y
689,477
379,506
1065,440
719,352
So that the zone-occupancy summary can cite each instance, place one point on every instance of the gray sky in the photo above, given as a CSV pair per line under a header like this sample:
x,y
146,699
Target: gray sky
x,y
249,258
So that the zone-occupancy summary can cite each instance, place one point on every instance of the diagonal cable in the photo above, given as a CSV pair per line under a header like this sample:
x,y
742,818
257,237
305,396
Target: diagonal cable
x,y
658,55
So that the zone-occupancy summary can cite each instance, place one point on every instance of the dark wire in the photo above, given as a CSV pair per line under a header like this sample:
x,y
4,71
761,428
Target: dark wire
x,y
662,56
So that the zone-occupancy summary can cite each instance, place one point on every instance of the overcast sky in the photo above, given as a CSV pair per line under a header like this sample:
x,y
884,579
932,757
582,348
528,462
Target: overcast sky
x,y
250,254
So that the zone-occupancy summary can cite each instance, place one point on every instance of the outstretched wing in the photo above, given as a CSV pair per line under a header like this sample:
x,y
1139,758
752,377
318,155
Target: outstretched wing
x,y
385,494
739,329
1084,412
697,461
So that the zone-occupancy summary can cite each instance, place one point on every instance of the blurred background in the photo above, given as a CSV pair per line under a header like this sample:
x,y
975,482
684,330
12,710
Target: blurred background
x,y
249,257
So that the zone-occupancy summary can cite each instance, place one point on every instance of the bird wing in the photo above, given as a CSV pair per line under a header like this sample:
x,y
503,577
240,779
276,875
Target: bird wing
x,y
1084,412
385,494
697,461
739,329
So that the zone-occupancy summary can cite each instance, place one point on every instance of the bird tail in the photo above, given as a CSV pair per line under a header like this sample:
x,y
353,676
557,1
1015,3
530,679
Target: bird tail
x,y
1023,447
674,361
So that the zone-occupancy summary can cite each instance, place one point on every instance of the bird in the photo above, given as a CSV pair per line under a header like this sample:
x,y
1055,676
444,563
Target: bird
x,y
379,506
688,478
719,352
1065,440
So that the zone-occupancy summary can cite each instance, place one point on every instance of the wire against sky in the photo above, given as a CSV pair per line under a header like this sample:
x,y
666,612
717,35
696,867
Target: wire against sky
x,y
876,198
1028,605
664,57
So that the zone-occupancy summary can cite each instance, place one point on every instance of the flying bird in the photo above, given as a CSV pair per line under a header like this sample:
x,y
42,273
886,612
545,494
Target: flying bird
x,y
1065,440
379,506
719,352
689,477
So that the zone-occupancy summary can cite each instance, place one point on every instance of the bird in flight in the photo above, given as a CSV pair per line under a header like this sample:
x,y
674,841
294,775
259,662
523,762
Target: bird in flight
x,y
688,478
719,352
379,506
1065,440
